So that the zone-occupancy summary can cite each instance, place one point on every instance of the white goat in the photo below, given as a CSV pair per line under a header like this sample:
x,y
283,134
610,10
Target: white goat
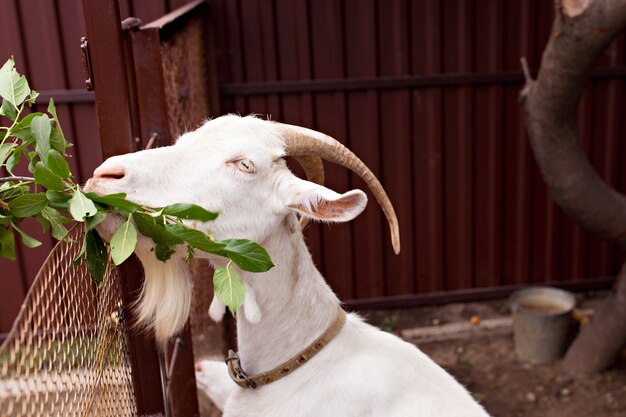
x,y
235,165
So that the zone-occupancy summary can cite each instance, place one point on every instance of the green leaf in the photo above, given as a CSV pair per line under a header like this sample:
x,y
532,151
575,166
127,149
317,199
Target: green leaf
x,y
13,160
28,241
9,194
229,288
163,252
5,148
13,86
114,200
8,110
7,244
57,138
152,228
57,164
41,128
57,141
96,219
123,242
195,238
28,205
45,223
47,178
32,157
32,97
52,109
248,255
81,206
58,199
59,232
97,259
22,128
189,212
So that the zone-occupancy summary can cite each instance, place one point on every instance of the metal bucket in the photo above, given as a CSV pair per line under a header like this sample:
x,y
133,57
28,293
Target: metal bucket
x,y
542,319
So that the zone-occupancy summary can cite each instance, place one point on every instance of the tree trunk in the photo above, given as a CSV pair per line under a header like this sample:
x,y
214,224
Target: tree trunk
x,y
604,338
582,29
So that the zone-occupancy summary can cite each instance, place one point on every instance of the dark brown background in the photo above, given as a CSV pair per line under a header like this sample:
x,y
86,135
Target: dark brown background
x,y
424,91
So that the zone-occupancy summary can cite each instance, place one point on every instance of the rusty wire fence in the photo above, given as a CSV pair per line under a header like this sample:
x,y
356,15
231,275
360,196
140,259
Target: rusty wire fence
x,y
66,354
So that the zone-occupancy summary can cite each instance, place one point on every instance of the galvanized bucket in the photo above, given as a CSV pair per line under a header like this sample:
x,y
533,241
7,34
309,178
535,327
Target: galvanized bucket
x,y
542,319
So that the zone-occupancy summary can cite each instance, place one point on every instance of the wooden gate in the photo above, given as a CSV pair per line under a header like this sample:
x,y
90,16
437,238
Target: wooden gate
x,y
151,82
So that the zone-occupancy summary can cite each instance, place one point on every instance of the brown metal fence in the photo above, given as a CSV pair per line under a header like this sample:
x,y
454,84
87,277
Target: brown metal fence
x,y
424,91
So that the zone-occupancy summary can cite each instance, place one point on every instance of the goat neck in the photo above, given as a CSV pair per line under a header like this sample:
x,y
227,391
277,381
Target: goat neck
x,y
295,303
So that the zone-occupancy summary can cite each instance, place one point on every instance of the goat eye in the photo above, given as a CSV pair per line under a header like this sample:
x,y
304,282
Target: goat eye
x,y
245,165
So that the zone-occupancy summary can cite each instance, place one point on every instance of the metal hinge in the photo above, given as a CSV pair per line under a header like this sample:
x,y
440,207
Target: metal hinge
x,y
84,49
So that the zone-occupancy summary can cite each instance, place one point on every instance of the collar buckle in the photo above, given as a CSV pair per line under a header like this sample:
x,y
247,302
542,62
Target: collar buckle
x,y
237,373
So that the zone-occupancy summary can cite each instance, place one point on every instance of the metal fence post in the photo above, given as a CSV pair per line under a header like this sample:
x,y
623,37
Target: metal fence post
x,y
118,131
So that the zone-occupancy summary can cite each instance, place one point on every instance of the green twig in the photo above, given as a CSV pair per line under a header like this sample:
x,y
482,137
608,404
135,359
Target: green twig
x,y
15,122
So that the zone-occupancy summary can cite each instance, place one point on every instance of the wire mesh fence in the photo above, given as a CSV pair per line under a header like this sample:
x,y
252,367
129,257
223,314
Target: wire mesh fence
x,y
66,354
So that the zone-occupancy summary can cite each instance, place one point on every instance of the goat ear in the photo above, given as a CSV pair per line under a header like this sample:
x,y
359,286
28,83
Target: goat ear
x,y
320,203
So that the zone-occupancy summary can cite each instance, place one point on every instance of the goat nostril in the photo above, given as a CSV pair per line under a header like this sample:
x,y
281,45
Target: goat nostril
x,y
110,173
115,176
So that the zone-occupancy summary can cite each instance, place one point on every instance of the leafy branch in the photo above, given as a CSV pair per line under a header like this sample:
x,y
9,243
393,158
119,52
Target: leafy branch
x,y
53,199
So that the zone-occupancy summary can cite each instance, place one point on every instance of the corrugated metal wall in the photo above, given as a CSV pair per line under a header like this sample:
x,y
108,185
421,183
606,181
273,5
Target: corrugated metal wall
x,y
44,39
424,91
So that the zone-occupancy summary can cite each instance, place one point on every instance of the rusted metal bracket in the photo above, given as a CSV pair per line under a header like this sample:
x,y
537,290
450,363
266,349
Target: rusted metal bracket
x,y
84,49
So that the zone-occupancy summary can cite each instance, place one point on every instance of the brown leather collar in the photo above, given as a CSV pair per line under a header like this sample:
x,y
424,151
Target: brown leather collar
x,y
245,381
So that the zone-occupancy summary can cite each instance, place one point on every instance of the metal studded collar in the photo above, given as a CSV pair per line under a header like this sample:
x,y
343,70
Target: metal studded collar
x,y
245,381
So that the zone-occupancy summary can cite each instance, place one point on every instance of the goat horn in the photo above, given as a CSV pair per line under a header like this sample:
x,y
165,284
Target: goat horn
x,y
301,141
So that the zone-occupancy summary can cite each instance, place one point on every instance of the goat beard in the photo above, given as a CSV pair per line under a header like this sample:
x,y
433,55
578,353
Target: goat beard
x,y
164,301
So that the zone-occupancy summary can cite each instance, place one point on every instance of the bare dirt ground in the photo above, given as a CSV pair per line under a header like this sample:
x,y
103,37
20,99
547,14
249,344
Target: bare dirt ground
x,y
486,363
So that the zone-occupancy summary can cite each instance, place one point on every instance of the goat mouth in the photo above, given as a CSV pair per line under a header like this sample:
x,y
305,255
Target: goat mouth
x,y
100,186
91,186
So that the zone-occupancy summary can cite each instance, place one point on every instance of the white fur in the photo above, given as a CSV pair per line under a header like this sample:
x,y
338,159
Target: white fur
x,y
363,372
165,297
250,306
217,309
212,378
